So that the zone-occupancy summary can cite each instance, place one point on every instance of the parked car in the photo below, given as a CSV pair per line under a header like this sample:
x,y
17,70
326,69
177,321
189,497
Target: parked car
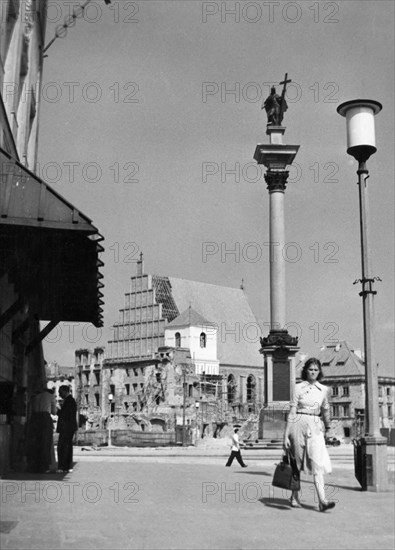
x,y
332,441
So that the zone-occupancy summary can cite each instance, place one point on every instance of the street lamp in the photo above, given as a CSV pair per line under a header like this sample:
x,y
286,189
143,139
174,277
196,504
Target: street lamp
x,y
361,144
110,400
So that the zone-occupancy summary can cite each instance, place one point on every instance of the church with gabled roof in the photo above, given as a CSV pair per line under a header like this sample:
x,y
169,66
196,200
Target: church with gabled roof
x,y
182,347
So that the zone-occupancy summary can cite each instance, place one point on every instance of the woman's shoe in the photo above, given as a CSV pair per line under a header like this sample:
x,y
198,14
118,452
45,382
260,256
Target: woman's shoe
x,y
294,503
324,506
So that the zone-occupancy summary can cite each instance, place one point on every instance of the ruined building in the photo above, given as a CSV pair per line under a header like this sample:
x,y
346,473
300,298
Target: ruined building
x,y
182,352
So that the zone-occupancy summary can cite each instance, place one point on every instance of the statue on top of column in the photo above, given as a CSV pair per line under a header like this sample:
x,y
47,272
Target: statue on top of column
x,y
275,105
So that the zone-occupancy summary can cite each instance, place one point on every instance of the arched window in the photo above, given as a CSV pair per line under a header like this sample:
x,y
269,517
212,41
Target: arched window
x,y
251,387
203,340
231,387
177,337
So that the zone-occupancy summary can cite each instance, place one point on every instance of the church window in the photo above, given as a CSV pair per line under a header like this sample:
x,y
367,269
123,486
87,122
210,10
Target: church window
x,y
177,338
251,386
231,388
203,340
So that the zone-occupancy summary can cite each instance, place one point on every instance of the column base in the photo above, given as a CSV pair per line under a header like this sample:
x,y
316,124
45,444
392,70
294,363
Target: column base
x,y
371,467
272,419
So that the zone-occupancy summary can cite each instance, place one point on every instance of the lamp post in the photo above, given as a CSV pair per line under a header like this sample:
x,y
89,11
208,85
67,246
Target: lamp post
x,y
110,399
361,144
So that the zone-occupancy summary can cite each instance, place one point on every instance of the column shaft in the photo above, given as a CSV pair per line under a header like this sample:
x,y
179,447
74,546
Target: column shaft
x,y
277,262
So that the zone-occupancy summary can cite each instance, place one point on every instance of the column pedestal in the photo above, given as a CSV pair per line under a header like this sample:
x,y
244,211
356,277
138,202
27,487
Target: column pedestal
x,y
375,463
278,349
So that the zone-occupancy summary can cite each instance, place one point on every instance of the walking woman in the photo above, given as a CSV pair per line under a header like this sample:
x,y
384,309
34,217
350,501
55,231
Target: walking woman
x,y
304,432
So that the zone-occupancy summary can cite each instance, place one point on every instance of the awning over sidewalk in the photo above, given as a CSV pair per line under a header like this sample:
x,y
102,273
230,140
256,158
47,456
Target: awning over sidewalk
x,y
49,249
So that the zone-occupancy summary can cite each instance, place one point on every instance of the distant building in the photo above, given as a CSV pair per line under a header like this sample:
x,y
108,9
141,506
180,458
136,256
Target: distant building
x,y
60,376
88,386
344,373
175,335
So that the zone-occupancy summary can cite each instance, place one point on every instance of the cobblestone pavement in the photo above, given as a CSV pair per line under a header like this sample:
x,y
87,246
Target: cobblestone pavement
x,y
154,499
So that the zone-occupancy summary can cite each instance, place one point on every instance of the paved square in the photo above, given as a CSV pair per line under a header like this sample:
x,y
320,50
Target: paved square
x,y
161,503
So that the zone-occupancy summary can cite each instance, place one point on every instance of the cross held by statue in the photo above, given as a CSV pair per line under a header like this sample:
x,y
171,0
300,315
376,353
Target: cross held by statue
x,y
283,104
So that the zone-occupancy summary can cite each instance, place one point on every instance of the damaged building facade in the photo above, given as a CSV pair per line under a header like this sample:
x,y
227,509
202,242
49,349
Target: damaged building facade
x,y
183,353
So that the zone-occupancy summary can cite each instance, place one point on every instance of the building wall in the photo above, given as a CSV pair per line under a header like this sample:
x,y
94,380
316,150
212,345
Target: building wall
x,y
249,397
204,358
386,403
21,375
89,386
22,34
134,388
347,411
140,329
60,376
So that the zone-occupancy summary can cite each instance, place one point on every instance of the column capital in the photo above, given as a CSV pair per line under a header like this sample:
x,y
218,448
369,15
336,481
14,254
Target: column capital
x,y
276,180
278,339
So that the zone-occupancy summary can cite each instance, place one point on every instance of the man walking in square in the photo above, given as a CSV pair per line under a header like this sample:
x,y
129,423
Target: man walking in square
x,y
235,451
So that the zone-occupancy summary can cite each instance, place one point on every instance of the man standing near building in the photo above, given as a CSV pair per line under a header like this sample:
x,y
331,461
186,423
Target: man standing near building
x,y
66,428
235,451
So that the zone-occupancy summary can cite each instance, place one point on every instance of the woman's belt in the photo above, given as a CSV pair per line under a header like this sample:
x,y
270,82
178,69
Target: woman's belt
x,y
309,414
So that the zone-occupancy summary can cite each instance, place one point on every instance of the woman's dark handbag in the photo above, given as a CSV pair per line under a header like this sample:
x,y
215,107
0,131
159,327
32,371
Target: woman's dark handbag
x,y
286,474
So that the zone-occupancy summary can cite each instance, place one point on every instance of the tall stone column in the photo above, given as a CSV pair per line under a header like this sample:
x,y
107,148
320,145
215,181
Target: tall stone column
x,y
278,347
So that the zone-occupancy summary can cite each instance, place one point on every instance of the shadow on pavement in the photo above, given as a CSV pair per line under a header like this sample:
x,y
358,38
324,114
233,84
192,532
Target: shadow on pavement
x,y
30,476
282,504
278,503
38,476
255,473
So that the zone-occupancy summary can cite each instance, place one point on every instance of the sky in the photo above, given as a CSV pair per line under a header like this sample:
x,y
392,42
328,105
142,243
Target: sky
x,y
150,116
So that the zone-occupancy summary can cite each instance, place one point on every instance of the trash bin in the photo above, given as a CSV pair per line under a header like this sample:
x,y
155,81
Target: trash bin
x,y
360,461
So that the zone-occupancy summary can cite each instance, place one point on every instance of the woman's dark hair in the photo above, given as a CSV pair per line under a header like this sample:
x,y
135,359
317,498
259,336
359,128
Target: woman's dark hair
x,y
312,361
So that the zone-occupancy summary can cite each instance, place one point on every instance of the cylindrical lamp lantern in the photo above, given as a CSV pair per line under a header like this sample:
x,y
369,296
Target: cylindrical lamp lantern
x,y
359,113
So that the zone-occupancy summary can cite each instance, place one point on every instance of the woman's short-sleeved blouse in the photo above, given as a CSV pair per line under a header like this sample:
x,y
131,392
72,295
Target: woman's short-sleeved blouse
x,y
310,398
